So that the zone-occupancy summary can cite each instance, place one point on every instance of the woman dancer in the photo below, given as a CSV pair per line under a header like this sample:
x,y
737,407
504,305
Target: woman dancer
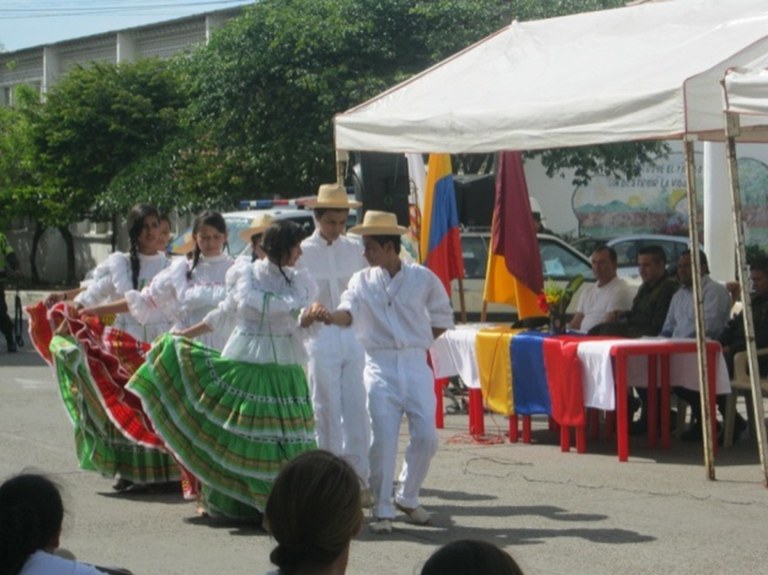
x,y
93,364
230,422
185,292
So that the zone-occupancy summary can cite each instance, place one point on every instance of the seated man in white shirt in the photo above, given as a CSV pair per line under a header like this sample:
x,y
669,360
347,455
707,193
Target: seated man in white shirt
x,y
681,322
610,294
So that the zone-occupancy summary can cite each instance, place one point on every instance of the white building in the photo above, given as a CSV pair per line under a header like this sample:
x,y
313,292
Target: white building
x,y
42,66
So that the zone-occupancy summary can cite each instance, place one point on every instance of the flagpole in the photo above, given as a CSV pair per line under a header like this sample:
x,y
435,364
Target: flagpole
x,y
462,305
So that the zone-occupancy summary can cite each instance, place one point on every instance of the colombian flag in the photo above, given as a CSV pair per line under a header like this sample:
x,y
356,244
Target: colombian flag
x,y
440,243
513,275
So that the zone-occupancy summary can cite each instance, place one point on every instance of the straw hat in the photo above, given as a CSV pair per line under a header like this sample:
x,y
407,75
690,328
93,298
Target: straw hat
x,y
377,223
186,247
259,224
334,197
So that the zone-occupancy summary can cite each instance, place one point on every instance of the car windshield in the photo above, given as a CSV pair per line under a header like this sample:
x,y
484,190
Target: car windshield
x,y
558,262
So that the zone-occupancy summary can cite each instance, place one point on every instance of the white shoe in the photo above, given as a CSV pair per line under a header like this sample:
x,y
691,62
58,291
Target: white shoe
x,y
417,515
381,526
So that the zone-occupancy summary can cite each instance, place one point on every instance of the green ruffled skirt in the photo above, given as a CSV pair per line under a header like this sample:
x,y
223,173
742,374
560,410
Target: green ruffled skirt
x,y
231,423
99,444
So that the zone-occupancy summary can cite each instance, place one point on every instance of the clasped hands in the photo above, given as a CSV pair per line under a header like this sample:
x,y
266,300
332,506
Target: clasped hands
x,y
316,312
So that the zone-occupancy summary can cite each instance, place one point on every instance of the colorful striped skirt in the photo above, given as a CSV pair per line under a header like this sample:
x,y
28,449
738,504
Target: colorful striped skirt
x,y
231,423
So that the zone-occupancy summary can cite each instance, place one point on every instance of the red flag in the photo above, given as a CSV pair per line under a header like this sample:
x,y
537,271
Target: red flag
x,y
514,273
440,240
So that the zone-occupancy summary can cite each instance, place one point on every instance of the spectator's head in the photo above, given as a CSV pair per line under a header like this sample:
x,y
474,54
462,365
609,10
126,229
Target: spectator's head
x,y
470,557
537,223
604,264
651,263
313,512
31,513
281,242
758,274
685,267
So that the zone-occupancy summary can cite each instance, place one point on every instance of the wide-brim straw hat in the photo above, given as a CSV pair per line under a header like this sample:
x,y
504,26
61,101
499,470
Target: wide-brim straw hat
x,y
186,247
259,225
332,197
377,223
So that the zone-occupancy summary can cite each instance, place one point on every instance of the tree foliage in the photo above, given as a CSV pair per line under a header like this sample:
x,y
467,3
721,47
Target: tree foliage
x,y
95,122
20,185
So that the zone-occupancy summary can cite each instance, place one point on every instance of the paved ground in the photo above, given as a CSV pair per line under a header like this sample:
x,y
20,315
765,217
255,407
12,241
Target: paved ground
x,y
555,512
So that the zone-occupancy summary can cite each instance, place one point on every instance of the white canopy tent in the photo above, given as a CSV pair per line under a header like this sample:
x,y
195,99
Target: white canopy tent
x,y
745,91
643,72
650,71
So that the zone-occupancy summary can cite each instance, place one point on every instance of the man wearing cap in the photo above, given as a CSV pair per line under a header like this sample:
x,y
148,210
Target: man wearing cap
x,y
397,310
336,358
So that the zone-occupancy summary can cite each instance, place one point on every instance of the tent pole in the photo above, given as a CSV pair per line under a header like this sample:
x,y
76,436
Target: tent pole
x,y
706,414
342,160
484,311
732,131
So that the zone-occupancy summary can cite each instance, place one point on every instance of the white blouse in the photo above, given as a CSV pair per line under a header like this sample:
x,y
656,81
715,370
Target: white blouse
x,y
184,301
266,309
112,280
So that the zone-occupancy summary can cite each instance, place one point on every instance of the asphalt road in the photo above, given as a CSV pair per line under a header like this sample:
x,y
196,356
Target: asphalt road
x,y
555,512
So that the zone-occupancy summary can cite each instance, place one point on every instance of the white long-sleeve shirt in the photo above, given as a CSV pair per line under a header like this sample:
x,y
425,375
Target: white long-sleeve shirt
x,y
185,301
113,279
397,312
681,317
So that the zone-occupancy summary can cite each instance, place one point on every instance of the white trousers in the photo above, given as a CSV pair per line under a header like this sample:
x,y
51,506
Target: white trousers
x,y
399,382
335,374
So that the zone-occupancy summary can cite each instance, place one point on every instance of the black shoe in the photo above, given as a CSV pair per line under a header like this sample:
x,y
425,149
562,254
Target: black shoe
x,y
639,427
739,427
694,432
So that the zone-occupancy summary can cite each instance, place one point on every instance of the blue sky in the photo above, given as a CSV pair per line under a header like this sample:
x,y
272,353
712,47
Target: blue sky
x,y
26,23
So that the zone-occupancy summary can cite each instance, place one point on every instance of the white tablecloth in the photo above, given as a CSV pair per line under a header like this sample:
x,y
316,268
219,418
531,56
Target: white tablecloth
x,y
597,373
454,353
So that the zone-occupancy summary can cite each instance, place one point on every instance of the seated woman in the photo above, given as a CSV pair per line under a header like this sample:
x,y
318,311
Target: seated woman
x,y
31,513
313,512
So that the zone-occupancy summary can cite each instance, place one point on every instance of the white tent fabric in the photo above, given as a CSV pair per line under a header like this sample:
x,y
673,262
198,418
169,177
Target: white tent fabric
x,y
650,71
746,88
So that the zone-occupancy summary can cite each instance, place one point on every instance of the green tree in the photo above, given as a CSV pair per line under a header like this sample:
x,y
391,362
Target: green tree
x,y
95,122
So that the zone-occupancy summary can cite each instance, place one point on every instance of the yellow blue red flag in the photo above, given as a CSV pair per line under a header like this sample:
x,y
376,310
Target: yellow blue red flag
x,y
440,241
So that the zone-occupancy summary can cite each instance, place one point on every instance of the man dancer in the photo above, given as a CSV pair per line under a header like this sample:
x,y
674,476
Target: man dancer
x,y
397,310
336,358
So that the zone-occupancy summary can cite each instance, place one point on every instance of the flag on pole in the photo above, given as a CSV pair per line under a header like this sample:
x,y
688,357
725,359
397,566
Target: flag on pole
x,y
440,242
513,275
417,176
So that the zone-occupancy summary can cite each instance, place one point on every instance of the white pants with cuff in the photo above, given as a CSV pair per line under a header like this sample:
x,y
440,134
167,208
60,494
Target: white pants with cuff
x,y
399,382
335,374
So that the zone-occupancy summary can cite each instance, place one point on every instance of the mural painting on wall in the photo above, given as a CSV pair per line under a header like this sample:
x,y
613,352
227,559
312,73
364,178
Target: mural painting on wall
x,y
655,202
